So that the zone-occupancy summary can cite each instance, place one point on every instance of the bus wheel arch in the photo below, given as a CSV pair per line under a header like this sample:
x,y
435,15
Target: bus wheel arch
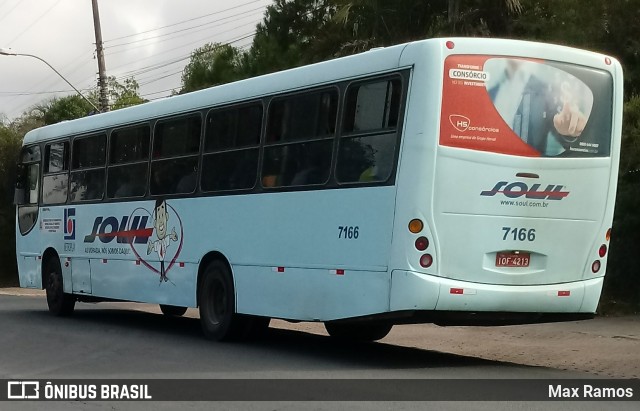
x,y
172,310
358,331
59,302
204,263
216,299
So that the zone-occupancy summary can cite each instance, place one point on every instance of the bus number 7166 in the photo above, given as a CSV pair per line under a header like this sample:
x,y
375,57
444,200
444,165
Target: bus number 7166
x,y
348,232
519,234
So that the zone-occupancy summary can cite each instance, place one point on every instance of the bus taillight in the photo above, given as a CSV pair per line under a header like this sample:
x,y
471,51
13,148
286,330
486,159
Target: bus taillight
x,y
415,226
602,251
422,243
426,260
595,267
608,236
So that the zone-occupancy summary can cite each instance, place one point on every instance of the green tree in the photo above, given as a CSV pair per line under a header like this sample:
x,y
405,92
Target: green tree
x,y
621,289
293,33
64,108
123,95
606,26
480,17
10,142
381,23
210,65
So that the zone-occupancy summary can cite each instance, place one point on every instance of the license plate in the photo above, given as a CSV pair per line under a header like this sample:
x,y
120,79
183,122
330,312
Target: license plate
x,y
513,259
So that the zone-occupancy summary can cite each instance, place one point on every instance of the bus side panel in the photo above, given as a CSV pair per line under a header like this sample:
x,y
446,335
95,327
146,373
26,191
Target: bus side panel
x,y
28,258
119,246
310,294
126,280
312,236
29,271
344,228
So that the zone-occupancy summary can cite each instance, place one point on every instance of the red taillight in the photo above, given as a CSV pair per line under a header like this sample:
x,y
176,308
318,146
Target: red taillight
x,y
422,243
602,251
595,267
450,45
607,61
426,260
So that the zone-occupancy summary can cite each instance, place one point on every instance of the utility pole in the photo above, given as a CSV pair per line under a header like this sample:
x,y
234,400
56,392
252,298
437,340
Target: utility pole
x,y
102,71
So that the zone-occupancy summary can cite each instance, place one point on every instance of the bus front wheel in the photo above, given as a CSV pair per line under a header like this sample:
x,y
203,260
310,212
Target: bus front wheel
x,y
358,331
217,304
59,302
172,310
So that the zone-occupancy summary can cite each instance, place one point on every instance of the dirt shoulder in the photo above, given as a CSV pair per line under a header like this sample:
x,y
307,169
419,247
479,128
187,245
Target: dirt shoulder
x,y
604,346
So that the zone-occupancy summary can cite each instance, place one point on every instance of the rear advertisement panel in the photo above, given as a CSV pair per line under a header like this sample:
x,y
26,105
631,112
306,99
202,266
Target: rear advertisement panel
x,y
526,107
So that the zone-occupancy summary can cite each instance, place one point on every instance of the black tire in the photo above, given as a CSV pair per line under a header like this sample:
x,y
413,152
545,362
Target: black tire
x,y
59,302
172,310
217,305
358,331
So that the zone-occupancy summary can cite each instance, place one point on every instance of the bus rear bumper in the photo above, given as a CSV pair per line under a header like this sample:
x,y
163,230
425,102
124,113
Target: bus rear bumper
x,y
415,291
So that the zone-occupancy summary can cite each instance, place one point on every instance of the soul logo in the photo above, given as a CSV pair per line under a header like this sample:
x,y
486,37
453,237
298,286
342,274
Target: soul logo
x,y
519,189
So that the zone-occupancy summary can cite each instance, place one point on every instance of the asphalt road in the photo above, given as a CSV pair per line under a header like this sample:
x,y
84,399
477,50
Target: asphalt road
x,y
134,341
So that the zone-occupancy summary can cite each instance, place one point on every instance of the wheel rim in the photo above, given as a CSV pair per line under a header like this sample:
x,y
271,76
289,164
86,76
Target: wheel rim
x,y
54,293
217,308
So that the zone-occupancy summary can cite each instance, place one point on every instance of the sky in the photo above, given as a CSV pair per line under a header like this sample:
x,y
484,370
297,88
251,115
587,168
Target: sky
x,y
149,40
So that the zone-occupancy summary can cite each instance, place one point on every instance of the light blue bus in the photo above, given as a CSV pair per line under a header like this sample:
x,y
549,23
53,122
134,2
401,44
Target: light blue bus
x,y
454,181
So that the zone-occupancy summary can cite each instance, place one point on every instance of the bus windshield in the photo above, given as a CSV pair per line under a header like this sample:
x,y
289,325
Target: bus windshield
x,y
526,107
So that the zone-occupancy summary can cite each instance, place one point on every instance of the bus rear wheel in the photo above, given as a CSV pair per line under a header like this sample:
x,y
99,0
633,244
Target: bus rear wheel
x,y
358,331
172,310
217,304
59,302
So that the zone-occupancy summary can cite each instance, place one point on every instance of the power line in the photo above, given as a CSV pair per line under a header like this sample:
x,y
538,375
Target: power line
x,y
34,22
147,69
181,22
158,92
31,93
159,78
186,29
9,12
165,63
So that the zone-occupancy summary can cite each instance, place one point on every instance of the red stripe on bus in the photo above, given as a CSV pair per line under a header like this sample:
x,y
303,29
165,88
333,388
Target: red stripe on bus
x,y
143,232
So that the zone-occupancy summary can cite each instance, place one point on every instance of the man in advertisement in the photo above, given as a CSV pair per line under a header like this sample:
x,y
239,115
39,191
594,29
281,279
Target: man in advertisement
x,y
546,107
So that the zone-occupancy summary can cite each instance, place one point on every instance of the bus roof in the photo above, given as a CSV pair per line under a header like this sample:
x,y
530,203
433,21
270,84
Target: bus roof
x,y
378,60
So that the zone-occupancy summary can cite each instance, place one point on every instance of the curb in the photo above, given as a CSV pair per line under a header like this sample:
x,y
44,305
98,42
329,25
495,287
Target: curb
x,y
31,292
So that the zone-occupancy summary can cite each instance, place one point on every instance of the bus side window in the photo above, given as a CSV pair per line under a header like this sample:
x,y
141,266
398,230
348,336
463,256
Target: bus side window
x,y
55,181
370,132
128,162
27,188
300,139
232,138
87,168
174,163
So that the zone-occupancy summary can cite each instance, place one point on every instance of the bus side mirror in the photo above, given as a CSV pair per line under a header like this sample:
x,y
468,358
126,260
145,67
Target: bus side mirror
x,y
18,196
21,177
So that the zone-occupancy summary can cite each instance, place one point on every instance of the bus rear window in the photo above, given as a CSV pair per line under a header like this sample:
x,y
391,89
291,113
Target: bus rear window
x,y
526,107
